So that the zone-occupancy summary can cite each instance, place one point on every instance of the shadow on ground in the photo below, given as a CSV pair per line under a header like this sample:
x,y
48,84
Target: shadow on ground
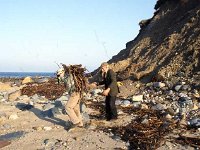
x,y
41,114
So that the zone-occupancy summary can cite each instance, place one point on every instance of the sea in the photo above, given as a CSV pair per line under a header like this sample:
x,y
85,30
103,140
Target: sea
x,y
26,74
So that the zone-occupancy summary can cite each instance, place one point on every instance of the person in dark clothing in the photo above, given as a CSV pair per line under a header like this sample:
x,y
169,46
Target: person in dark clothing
x,y
111,91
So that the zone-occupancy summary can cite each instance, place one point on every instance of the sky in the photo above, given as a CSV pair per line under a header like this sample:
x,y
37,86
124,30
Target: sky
x,y
36,35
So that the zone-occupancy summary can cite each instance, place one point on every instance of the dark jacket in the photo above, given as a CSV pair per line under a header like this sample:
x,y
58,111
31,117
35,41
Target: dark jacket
x,y
110,81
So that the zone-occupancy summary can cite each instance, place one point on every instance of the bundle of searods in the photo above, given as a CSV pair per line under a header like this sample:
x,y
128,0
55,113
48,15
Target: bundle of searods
x,y
78,73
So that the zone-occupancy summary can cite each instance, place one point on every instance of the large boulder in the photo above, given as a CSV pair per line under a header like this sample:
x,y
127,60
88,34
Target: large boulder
x,y
27,80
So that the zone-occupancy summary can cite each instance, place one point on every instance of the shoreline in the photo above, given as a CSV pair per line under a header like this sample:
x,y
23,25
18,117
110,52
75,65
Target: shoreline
x,y
14,79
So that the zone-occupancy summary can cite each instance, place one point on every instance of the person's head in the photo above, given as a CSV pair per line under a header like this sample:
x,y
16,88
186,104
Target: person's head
x,y
104,67
60,72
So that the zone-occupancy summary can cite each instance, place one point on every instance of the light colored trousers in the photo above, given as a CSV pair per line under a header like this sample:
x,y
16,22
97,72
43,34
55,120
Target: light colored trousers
x,y
73,108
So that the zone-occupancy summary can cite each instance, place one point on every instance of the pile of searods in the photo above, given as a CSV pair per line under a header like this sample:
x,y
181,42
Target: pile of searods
x,y
78,73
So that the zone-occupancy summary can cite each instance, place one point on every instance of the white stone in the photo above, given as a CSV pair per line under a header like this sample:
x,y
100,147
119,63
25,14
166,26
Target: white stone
x,y
178,87
144,106
64,98
168,116
137,85
159,84
13,117
3,100
126,103
47,128
137,98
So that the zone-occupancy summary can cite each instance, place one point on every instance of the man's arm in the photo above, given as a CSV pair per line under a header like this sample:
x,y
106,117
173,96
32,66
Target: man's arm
x,y
113,79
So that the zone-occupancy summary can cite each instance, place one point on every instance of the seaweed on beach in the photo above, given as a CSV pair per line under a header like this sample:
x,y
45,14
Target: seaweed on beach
x,y
144,136
192,141
51,90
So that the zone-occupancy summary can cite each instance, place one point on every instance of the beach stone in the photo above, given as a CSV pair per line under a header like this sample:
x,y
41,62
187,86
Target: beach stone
x,y
144,106
195,107
86,117
35,97
145,121
178,87
48,106
27,80
149,84
64,98
5,87
195,122
13,96
185,101
170,111
47,128
159,84
13,117
169,84
37,128
185,87
137,85
17,82
137,98
115,137
88,96
126,103
168,116
83,107
158,107
136,104
118,102
41,80
170,92
182,95
25,98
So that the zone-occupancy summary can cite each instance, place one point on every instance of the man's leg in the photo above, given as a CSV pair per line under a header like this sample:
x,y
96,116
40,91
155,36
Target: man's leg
x,y
71,104
107,107
78,113
113,109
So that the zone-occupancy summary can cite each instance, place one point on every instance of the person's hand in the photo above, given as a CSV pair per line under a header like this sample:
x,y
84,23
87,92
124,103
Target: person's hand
x,y
105,92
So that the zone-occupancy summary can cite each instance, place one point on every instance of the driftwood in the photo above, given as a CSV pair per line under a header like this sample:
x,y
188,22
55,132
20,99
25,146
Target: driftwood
x,y
78,73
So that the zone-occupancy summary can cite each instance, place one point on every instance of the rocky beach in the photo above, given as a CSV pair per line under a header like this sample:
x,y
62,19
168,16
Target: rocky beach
x,y
158,74
153,115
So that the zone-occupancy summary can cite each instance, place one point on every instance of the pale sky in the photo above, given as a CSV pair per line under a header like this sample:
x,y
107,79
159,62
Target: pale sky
x,y
34,34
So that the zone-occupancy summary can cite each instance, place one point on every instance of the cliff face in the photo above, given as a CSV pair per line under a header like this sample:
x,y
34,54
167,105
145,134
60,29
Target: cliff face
x,y
167,44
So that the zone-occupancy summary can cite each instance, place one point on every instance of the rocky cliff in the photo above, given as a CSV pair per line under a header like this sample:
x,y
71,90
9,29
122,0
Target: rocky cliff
x,y
167,44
